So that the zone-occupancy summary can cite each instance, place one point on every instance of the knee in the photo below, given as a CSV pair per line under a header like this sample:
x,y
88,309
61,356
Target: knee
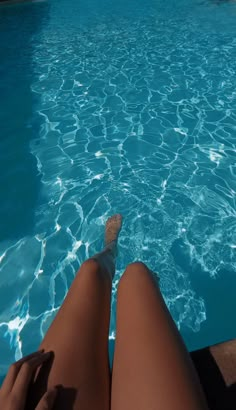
x,y
136,268
133,272
90,265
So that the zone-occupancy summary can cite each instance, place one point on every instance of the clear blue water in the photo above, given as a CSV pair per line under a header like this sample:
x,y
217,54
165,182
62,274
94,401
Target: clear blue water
x,y
116,106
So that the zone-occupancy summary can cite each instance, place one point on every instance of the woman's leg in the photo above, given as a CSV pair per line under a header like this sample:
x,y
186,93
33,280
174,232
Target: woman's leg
x,y
152,369
78,336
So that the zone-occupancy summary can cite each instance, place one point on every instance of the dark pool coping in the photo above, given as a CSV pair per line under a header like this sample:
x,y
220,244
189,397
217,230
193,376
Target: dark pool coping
x,y
216,367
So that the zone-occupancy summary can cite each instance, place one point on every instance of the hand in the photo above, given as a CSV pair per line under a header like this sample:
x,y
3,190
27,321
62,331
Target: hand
x,y
13,392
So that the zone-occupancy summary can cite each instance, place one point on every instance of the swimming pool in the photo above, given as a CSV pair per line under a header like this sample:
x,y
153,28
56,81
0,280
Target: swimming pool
x,y
112,107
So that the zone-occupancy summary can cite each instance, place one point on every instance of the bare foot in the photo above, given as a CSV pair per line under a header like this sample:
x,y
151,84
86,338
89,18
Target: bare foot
x,y
113,227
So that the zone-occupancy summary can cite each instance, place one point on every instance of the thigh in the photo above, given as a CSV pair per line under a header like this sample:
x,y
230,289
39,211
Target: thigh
x,y
152,369
78,338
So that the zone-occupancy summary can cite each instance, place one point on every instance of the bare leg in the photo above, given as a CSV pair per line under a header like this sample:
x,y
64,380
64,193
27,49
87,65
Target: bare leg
x,y
78,336
152,369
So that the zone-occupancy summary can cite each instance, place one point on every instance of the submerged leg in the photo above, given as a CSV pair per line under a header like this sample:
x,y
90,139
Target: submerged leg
x,y
78,336
152,369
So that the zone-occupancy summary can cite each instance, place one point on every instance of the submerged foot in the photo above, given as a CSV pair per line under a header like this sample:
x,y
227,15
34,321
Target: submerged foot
x,y
112,230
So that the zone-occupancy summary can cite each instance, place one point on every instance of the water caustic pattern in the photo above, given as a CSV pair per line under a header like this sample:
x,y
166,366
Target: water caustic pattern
x,y
135,106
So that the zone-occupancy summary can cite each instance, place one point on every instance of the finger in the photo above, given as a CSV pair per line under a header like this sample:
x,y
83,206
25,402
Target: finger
x,y
25,374
47,401
14,370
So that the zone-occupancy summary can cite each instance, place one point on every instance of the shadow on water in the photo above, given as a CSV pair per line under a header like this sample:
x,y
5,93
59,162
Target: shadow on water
x,y
219,297
19,176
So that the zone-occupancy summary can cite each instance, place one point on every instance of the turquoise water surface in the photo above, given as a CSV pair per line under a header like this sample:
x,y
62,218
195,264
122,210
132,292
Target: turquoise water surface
x,y
114,106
